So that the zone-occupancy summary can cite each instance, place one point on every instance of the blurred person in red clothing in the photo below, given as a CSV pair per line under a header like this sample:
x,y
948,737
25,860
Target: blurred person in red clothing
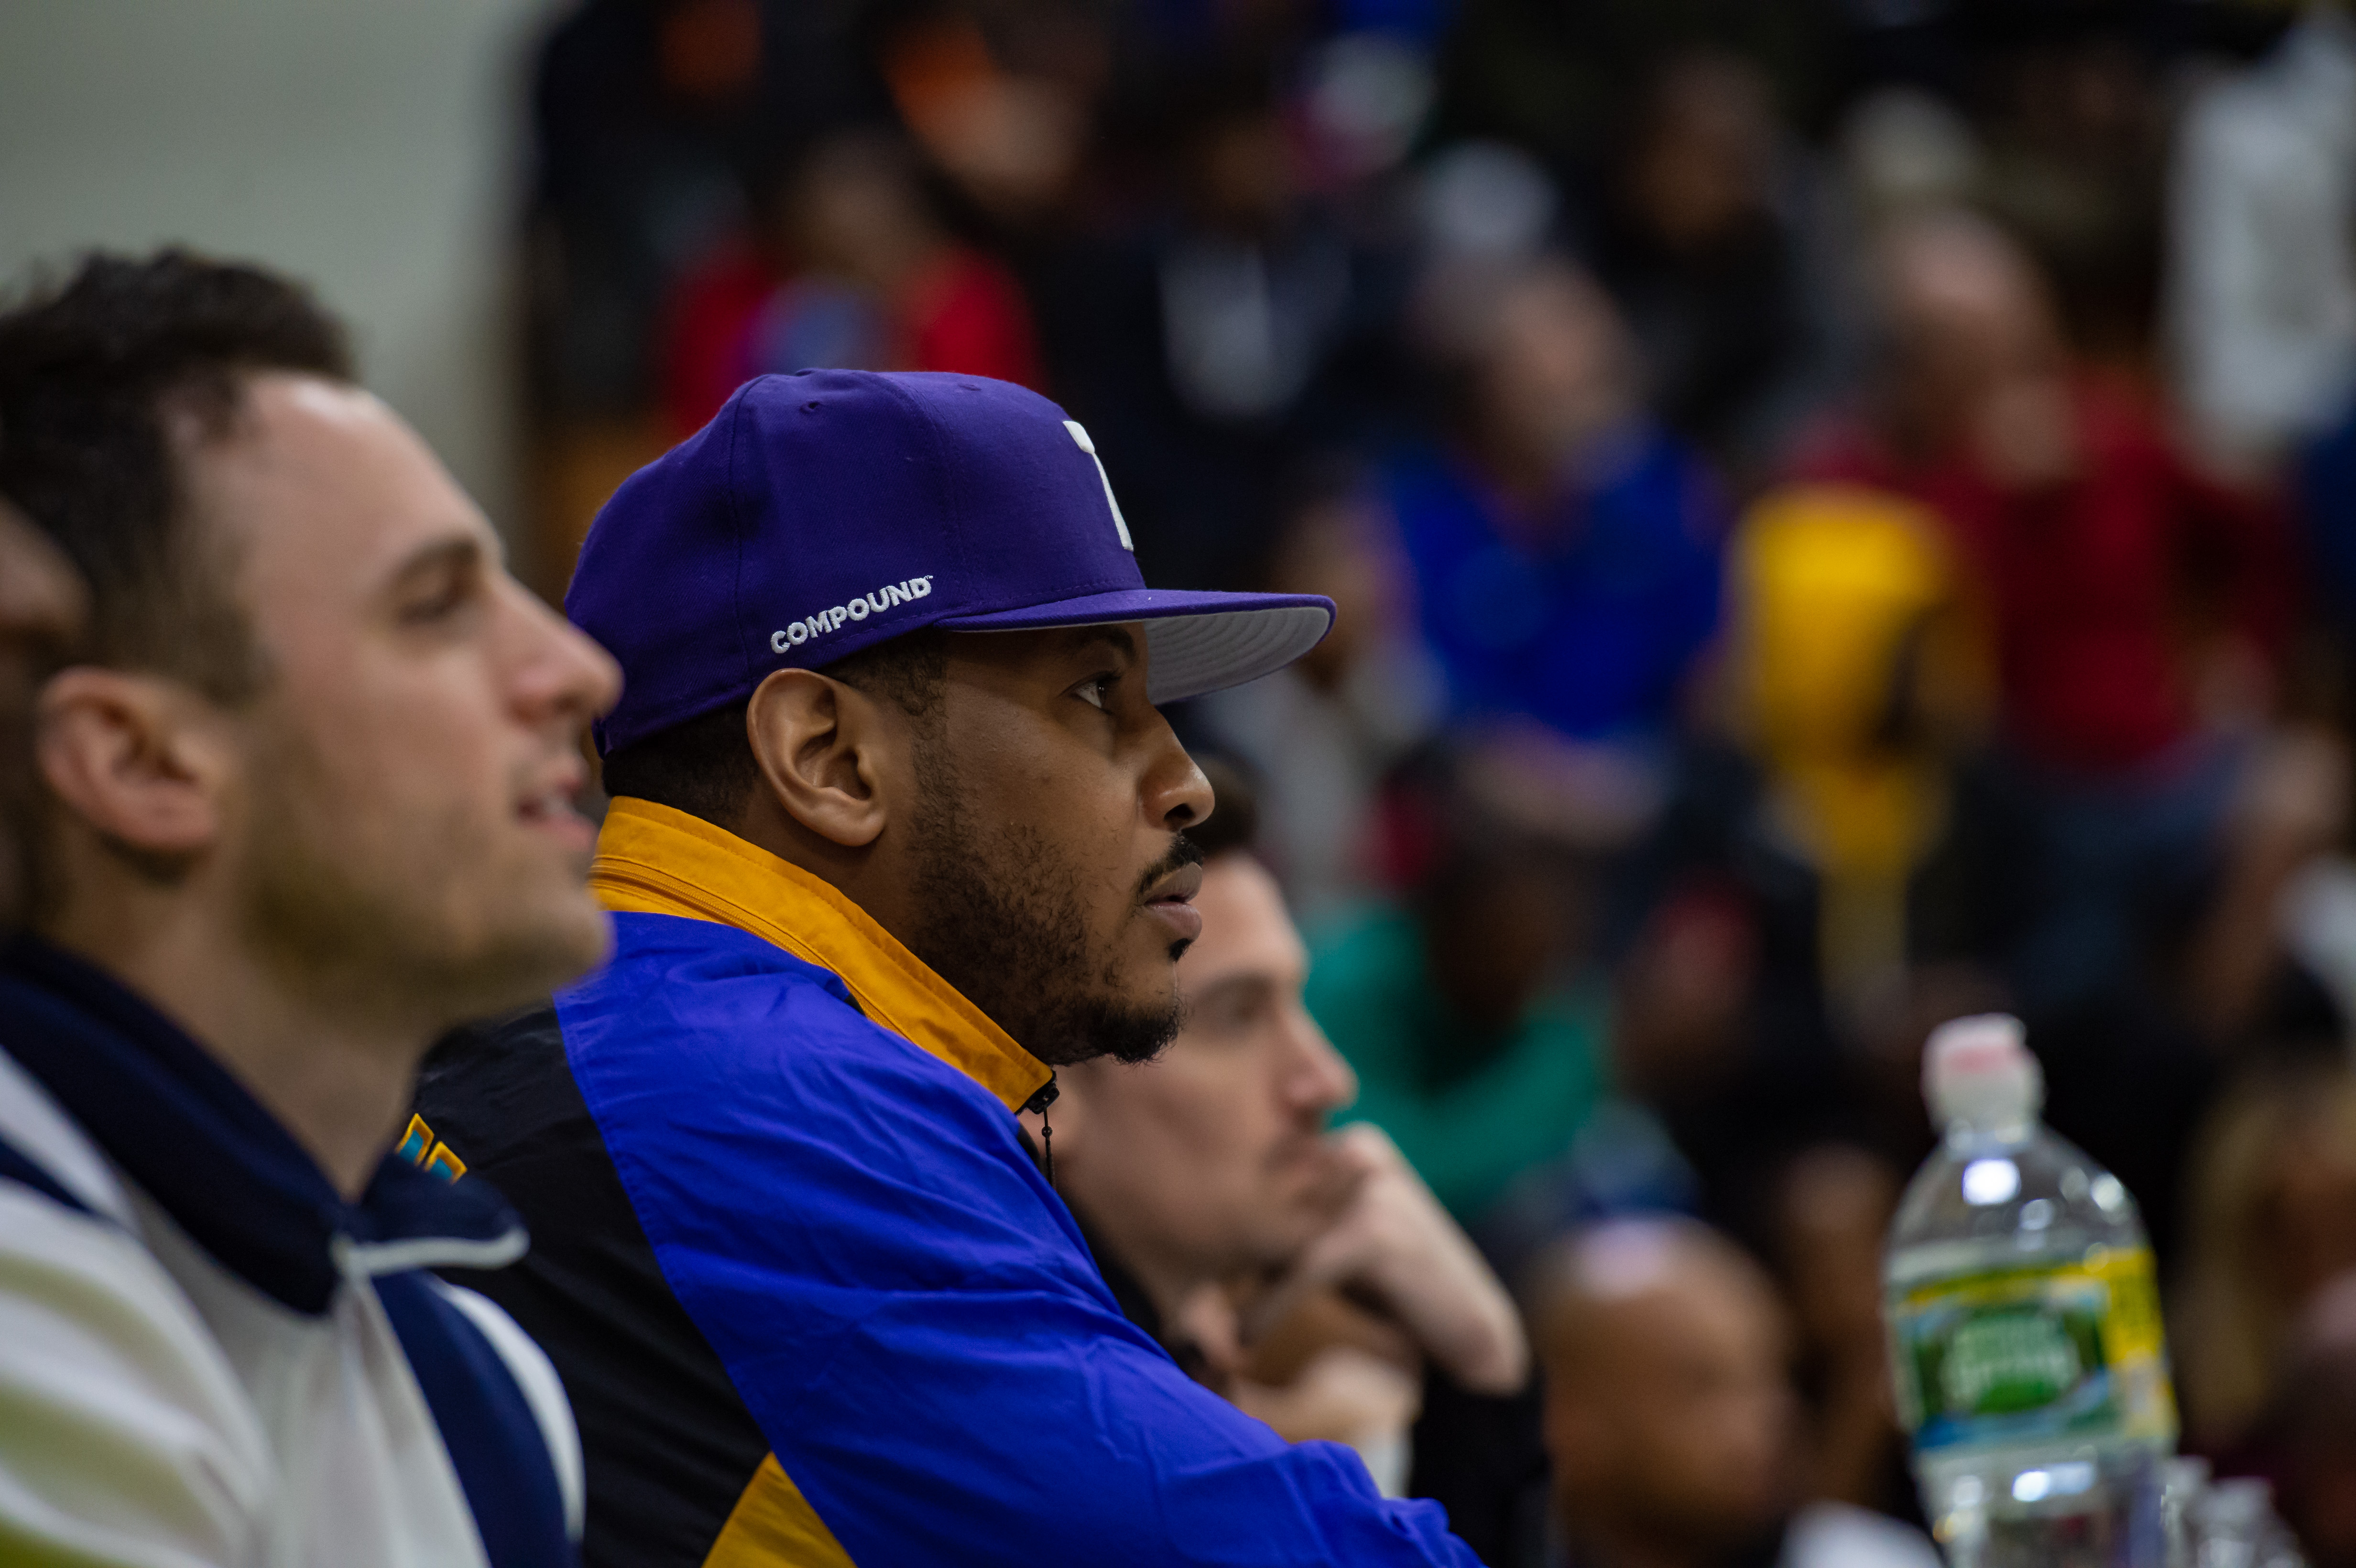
x,y
2135,605
848,269
2095,538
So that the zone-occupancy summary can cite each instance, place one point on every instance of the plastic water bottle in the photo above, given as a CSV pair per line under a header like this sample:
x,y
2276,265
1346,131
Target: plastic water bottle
x,y
2030,1363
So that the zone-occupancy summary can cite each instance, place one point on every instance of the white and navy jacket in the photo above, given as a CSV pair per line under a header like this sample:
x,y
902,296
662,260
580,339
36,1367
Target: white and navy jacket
x,y
208,1356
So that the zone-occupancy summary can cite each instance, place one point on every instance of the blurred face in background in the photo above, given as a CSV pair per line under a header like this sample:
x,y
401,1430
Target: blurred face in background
x,y
853,211
1669,1412
2313,1429
1214,1159
40,603
1342,548
1832,1211
1238,174
1681,996
1497,923
1700,169
1976,351
1553,370
2303,1224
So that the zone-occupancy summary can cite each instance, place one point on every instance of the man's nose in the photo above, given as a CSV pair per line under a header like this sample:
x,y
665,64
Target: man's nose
x,y
1177,795
1319,1079
564,674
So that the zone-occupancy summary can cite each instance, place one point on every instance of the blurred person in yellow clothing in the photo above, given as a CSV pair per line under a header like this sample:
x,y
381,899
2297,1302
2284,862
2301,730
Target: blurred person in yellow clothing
x,y
1828,869
1859,678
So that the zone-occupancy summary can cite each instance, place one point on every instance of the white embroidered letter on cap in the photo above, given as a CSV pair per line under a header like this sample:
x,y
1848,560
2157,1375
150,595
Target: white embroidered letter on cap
x,y
1080,438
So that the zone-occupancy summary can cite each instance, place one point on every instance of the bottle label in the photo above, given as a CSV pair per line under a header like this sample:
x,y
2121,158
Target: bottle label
x,y
2025,1354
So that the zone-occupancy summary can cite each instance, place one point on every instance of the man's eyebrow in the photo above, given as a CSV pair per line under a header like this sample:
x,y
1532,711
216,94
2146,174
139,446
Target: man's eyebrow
x,y
1248,985
458,552
1116,637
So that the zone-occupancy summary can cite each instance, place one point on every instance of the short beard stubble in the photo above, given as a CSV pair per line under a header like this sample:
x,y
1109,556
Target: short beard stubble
x,y
1002,921
368,929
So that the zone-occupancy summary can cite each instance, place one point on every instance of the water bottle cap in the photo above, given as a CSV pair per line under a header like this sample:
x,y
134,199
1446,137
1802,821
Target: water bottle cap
x,y
1979,1070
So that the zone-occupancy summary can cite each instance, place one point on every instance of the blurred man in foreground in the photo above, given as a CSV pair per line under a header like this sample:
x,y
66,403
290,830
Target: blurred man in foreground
x,y
1670,1416
1230,1221
305,805
897,829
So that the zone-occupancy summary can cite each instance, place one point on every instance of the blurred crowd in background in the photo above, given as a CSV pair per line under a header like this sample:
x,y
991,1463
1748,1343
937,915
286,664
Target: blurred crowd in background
x,y
1843,512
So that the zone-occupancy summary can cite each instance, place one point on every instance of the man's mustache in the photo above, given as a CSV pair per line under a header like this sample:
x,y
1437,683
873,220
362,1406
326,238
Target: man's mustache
x,y
1183,852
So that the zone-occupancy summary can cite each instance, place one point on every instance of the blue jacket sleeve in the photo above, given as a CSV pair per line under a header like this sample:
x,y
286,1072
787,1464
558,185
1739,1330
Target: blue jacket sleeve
x,y
911,1315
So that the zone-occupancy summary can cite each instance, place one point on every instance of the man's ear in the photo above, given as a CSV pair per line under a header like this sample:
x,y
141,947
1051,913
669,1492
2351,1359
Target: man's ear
x,y
119,751
823,750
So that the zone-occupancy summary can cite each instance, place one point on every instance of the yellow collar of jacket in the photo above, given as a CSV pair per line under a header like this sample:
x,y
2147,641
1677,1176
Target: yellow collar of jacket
x,y
652,859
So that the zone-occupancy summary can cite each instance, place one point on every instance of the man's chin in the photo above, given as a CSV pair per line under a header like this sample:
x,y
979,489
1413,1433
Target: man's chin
x,y
1136,1036
555,952
1717,1526
533,954
1125,1028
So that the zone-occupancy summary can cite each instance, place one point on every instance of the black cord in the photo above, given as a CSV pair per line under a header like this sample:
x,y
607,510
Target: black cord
x,y
1039,1103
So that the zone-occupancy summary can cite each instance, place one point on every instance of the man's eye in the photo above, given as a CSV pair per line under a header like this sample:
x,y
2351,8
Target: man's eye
x,y
1233,1015
429,609
1095,690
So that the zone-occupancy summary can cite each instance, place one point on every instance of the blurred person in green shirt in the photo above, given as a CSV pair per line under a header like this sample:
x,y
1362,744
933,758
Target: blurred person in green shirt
x,y
1478,1044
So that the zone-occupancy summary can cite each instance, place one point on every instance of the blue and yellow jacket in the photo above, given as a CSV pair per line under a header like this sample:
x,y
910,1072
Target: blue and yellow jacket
x,y
813,1301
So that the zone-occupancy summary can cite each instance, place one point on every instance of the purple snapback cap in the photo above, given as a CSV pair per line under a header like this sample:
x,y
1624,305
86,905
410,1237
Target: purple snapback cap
x,y
822,513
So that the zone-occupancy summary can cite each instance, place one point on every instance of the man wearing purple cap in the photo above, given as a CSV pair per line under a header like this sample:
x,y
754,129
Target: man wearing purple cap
x,y
897,829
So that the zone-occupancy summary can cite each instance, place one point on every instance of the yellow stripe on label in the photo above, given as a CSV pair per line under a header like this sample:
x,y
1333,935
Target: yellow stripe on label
x,y
774,1526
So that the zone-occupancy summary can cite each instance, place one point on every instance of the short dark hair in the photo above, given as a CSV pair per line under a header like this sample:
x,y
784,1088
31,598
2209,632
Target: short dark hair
x,y
705,766
91,372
